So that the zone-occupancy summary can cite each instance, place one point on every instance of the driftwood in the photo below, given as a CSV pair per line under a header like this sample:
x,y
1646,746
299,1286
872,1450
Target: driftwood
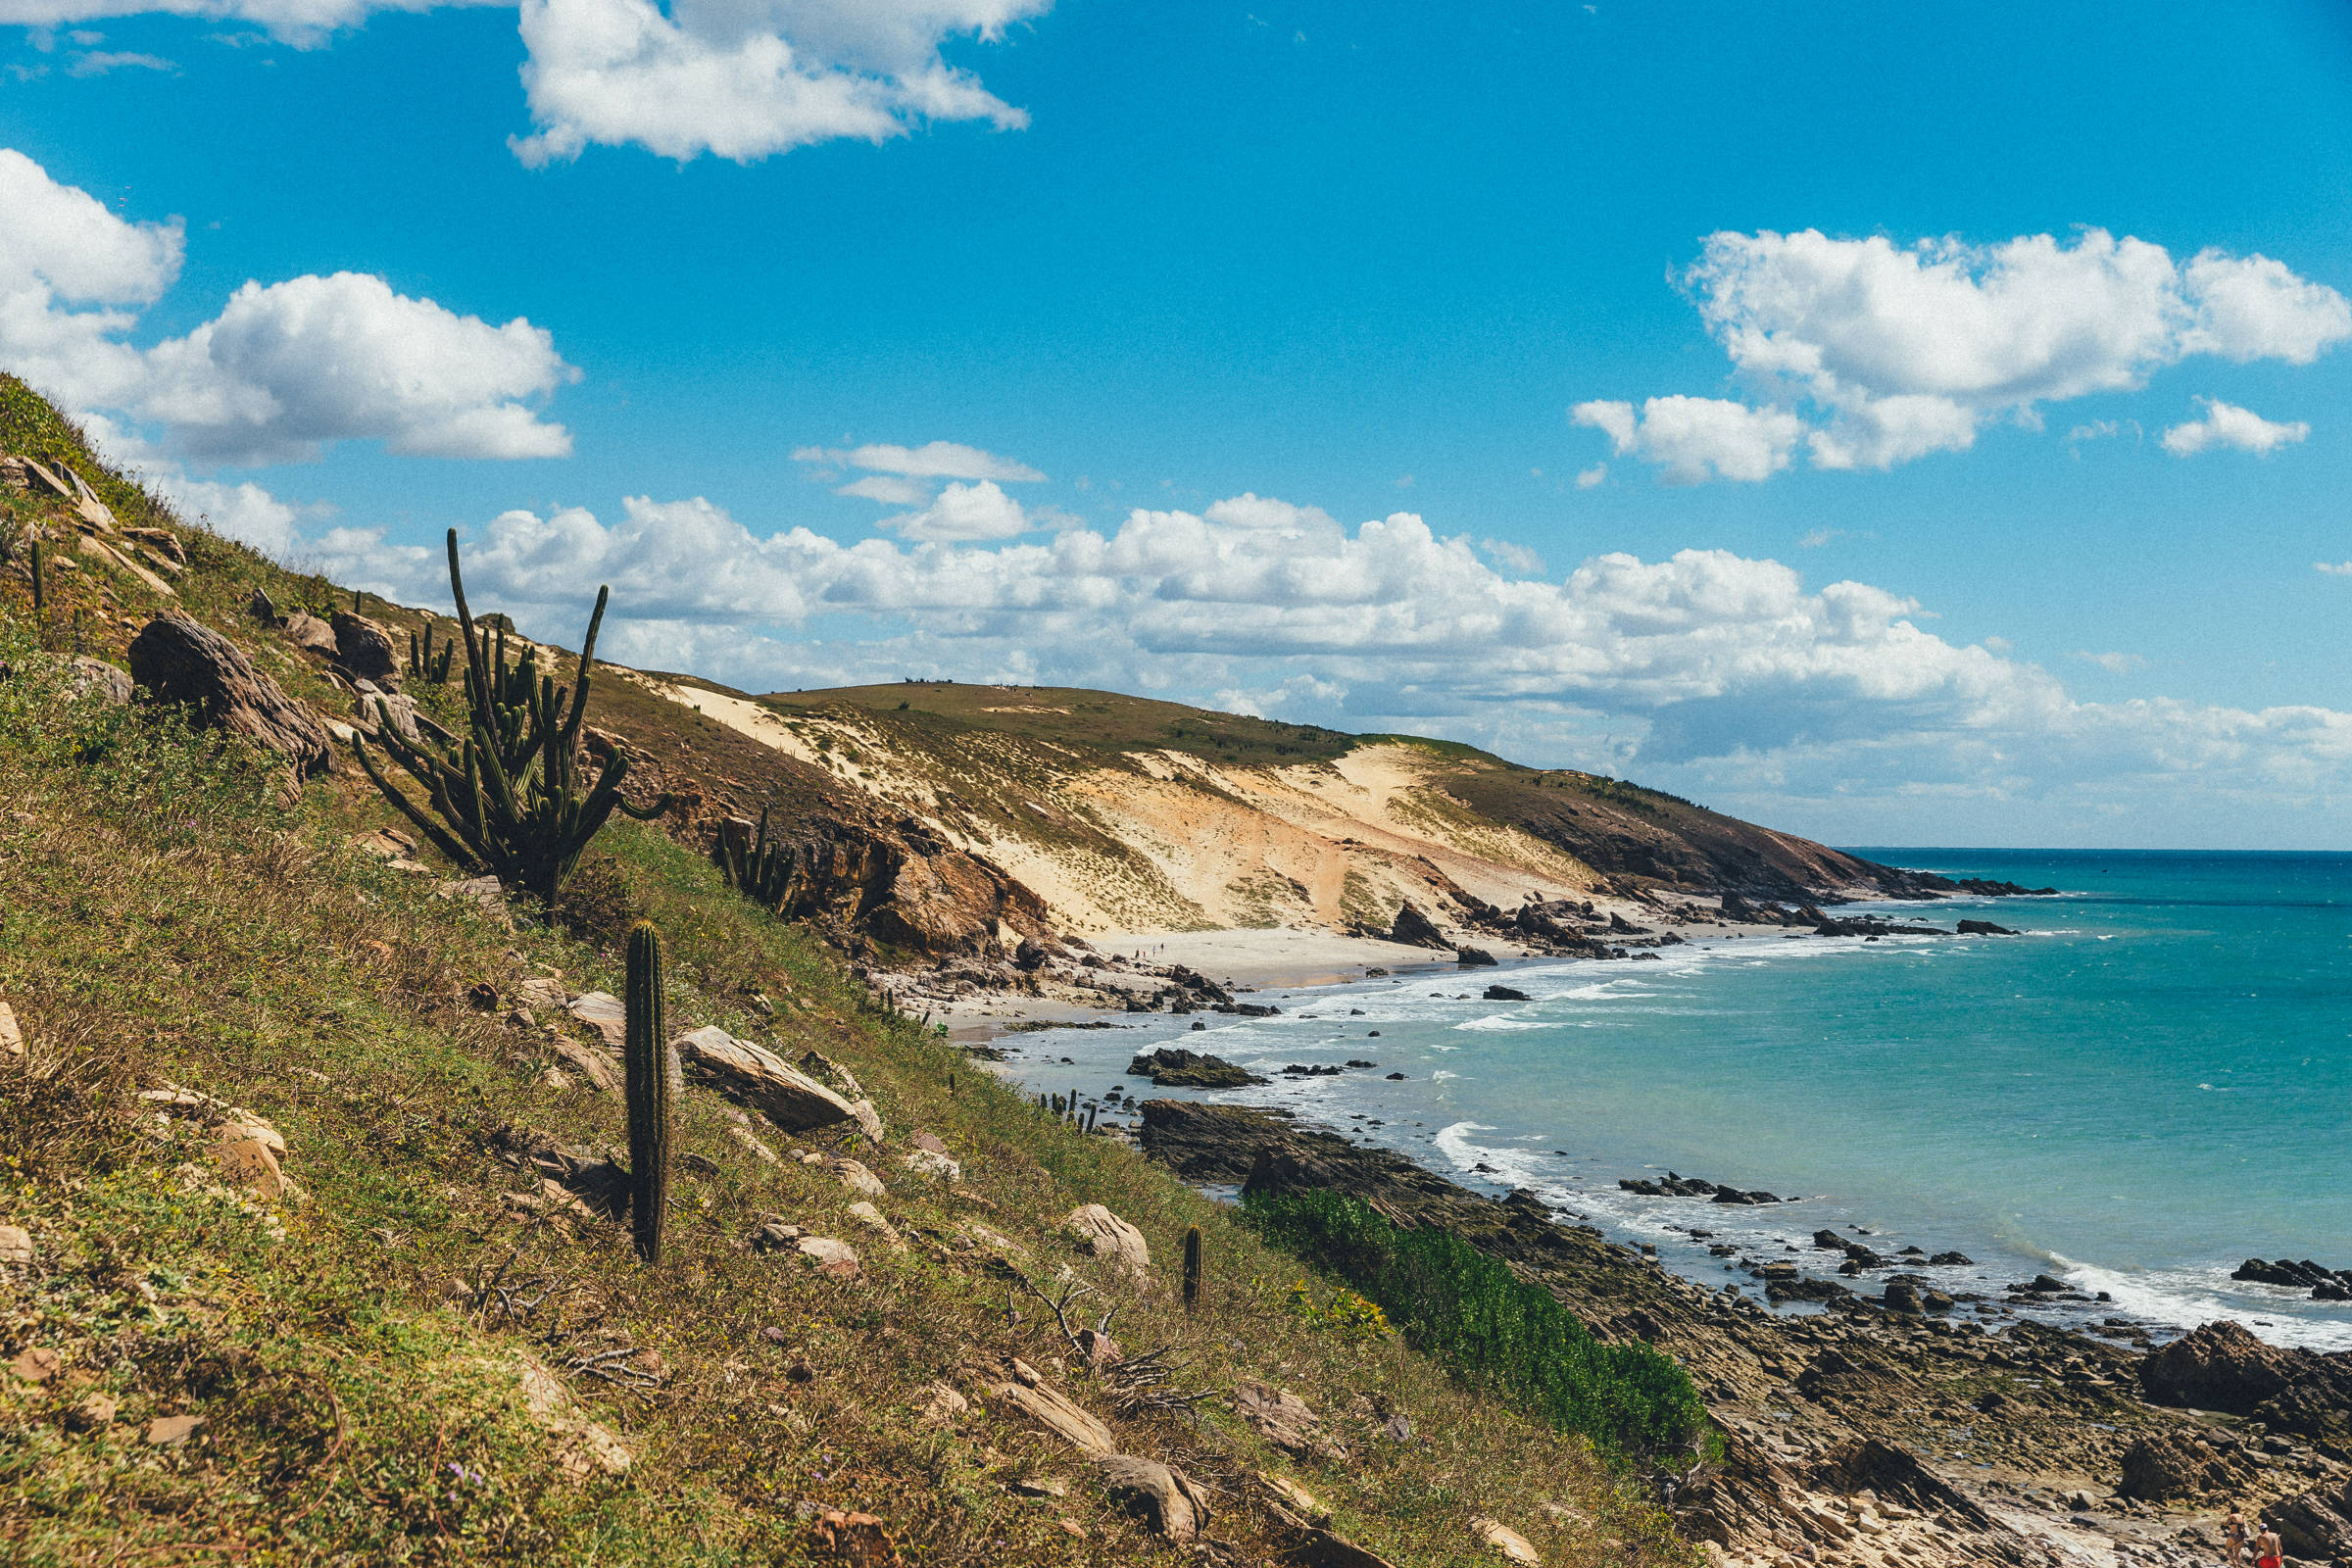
x,y
179,660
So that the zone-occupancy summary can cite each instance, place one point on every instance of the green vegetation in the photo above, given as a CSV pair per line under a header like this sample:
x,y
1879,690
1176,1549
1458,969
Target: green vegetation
x,y
1192,1267
509,796
1471,1310
645,1061
402,1360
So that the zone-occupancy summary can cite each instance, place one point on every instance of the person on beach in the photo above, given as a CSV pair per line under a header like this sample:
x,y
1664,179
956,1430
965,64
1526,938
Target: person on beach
x,y
2268,1552
2233,1535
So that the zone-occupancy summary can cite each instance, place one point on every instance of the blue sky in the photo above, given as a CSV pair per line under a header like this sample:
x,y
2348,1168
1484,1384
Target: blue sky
x,y
1263,275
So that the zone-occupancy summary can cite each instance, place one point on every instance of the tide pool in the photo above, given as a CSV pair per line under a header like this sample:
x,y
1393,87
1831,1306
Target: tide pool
x,y
2151,1084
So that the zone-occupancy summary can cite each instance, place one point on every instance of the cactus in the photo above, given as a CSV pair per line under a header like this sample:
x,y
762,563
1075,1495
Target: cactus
x,y
40,586
646,1066
424,665
761,869
1192,1268
511,796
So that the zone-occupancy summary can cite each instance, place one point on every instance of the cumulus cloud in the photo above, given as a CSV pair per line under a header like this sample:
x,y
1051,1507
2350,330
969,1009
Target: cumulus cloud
x,y
748,78
1586,479
2334,568
1693,440
964,511
1706,672
282,371
1904,351
2227,425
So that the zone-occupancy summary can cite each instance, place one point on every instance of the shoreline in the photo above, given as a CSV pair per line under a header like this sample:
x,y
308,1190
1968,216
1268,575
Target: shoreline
x,y
1688,1233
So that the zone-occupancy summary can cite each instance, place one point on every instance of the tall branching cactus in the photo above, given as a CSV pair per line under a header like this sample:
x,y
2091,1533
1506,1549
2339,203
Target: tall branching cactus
x,y
758,869
427,664
1192,1268
646,1066
511,796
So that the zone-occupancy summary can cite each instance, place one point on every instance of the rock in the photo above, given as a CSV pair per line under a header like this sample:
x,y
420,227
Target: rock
x,y
1950,1260
760,1150
939,1404
1290,1493
109,684
1108,1236
2221,1366
1166,1500
599,1067
363,647
1073,1423
856,1177
2317,1526
1170,1067
927,1162
35,1365
591,1451
1829,1241
376,709
2164,1465
16,1246
90,1413
1902,1296
1285,1420
181,661
833,1260
758,1078
1985,928
1101,1349
262,608
1039,1487
1415,929
1501,1538
309,633
246,1162
168,1430
858,1539
540,991
603,1011
1506,993
1474,959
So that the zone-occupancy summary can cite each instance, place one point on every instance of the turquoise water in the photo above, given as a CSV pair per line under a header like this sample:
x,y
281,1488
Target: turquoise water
x,y
2152,1084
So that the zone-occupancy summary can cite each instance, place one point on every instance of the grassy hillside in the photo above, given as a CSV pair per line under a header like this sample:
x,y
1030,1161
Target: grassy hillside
x,y
419,1355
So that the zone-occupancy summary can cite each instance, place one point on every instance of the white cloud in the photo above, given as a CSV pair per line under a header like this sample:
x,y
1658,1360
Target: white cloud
x,y
1906,351
2227,425
1518,558
964,511
745,79
281,370
1706,670
1696,439
888,489
98,62
934,460
2338,568
1586,479
303,22
61,248
2114,663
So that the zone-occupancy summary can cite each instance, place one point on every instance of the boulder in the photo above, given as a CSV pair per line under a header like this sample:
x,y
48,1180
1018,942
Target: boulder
x,y
363,647
2163,1465
309,633
109,684
759,1079
1108,1236
16,1246
856,1177
930,1162
1415,929
2317,1526
2221,1366
1474,959
1171,1067
1506,993
1985,928
835,1259
1166,1500
1067,1419
181,660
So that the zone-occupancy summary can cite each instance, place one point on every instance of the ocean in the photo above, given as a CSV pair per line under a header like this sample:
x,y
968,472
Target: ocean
x,y
2150,1085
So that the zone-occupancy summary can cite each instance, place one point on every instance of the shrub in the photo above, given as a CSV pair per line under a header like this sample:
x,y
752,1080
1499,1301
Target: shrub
x,y
1469,1309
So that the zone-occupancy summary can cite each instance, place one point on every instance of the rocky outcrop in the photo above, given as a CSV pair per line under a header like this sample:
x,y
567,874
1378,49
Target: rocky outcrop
x,y
1414,929
179,660
760,1080
2171,1465
902,884
2222,1366
1171,1067
364,648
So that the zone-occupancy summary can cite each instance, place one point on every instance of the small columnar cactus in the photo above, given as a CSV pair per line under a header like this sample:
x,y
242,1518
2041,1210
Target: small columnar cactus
x,y
1192,1268
647,1085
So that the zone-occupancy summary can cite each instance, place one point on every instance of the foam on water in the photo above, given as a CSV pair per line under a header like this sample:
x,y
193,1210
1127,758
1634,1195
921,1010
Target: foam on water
x,y
2134,1101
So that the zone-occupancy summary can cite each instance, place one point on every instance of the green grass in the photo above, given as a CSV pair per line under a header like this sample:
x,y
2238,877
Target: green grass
x,y
169,914
1473,1313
